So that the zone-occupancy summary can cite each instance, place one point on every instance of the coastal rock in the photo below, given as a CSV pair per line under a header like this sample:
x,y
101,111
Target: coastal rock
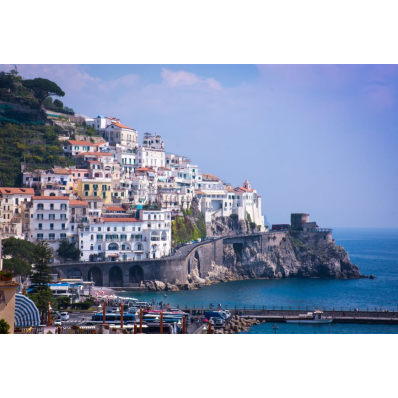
x,y
156,286
171,288
300,255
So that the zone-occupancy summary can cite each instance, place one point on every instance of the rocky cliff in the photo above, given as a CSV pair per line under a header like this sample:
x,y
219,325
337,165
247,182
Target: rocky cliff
x,y
305,255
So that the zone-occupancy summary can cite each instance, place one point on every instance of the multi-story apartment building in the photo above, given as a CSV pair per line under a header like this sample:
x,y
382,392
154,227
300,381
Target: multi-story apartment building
x,y
14,211
49,220
124,237
95,187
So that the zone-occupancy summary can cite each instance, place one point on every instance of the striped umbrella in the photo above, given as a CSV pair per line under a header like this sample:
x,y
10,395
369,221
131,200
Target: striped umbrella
x,y
26,312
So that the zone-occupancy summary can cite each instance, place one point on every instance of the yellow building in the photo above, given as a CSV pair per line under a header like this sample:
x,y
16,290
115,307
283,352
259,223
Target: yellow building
x,y
99,187
7,302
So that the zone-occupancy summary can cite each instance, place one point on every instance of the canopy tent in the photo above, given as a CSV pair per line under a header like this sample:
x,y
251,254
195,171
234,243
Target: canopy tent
x,y
26,312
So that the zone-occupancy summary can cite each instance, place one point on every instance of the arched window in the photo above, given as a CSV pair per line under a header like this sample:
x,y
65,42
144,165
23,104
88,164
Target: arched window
x,y
40,206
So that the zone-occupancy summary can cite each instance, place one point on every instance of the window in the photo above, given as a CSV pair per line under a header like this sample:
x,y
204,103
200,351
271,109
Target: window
x,y
99,247
40,206
99,237
51,226
51,237
51,206
86,187
63,206
62,236
39,236
40,227
63,216
92,237
63,227
51,216
40,216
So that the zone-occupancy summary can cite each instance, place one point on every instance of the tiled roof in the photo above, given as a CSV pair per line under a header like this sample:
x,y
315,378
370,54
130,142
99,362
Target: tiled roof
x,y
12,191
85,143
61,171
50,198
122,126
100,143
114,219
244,189
96,154
146,169
114,208
74,203
200,193
209,177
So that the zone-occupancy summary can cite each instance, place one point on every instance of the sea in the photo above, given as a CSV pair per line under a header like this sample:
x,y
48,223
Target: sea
x,y
375,251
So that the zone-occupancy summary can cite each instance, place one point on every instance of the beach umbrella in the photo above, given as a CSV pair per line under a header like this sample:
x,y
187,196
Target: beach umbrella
x,y
26,312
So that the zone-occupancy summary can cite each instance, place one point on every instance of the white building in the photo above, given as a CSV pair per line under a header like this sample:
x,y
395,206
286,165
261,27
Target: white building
x,y
73,148
49,220
127,238
114,131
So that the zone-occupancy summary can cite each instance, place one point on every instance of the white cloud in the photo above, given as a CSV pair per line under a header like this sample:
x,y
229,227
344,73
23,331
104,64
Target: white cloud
x,y
183,78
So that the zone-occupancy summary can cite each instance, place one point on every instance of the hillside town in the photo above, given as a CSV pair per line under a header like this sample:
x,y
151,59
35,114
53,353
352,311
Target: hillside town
x,y
120,198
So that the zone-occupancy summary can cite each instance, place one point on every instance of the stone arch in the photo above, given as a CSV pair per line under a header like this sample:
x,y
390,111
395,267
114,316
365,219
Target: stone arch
x,y
238,249
95,275
74,273
125,246
136,274
113,246
115,276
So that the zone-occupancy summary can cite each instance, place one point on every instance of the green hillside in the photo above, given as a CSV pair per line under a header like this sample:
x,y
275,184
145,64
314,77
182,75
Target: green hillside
x,y
38,146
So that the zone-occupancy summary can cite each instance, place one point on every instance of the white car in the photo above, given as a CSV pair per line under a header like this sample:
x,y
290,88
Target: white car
x,y
64,316
57,323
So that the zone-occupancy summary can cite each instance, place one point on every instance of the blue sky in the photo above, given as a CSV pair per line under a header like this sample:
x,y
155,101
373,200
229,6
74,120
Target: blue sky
x,y
320,139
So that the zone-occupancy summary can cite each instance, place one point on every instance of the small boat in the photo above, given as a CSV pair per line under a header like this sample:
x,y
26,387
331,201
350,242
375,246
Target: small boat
x,y
310,317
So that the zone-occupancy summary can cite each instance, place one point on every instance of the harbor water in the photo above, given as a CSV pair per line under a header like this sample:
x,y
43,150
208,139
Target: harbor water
x,y
375,251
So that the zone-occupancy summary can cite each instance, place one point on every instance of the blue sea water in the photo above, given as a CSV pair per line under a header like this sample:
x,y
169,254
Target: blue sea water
x,y
375,251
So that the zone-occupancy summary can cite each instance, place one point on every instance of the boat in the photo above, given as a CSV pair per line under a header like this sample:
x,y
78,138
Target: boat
x,y
310,317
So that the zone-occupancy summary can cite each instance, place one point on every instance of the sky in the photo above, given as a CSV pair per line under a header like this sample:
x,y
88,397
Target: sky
x,y
318,139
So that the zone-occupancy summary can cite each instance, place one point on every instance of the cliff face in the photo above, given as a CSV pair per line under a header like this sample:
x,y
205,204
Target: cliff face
x,y
305,255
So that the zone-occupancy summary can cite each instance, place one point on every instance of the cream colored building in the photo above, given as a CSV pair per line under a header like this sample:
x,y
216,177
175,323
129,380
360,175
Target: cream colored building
x,y
7,302
14,210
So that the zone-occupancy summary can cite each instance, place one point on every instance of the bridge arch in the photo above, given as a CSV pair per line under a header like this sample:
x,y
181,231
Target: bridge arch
x,y
95,275
197,258
74,273
136,274
115,276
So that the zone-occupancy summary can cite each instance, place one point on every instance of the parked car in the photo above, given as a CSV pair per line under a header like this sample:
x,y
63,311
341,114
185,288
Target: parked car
x,y
217,322
58,322
64,316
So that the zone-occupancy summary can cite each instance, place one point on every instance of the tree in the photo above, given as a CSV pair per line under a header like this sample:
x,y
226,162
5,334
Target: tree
x,y
17,266
42,89
41,299
4,327
41,273
63,302
58,103
6,81
68,250
19,248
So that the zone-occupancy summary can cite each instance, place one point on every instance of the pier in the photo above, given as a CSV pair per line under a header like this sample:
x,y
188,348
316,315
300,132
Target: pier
x,y
279,314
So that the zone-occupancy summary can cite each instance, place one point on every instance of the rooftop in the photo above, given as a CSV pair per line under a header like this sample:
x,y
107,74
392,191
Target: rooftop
x,y
115,219
85,143
209,177
96,154
50,198
13,191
